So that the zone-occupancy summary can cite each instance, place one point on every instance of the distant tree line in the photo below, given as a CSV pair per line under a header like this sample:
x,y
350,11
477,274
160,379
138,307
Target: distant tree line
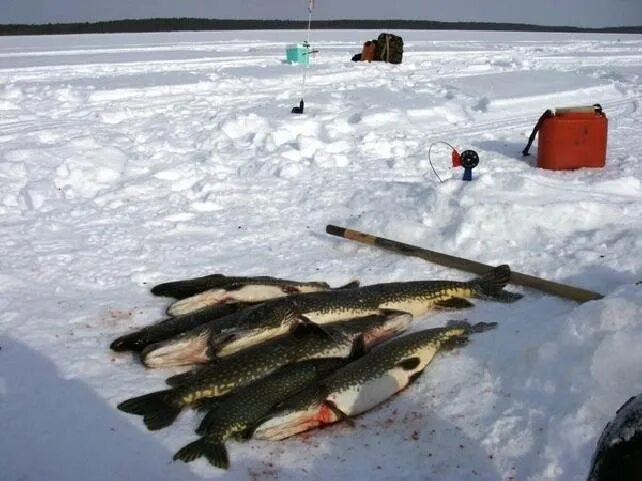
x,y
173,24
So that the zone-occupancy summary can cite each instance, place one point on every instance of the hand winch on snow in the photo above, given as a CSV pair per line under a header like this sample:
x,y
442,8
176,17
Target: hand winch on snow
x,y
468,159
570,138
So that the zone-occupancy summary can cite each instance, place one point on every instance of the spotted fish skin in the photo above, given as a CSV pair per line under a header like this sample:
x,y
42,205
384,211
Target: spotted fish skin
x,y
246,406
249,290
200,345
416,298
190,287
161,408
364,383
173,326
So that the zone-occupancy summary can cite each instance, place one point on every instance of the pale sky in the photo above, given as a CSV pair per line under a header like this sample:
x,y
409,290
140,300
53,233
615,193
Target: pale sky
x,y
589,13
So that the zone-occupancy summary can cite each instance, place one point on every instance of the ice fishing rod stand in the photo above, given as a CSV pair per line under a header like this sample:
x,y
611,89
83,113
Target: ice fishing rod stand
x,y
468,159
298,109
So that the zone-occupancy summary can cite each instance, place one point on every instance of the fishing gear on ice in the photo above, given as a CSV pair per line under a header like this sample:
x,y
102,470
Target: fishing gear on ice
x,y
468,159
298,109
570,138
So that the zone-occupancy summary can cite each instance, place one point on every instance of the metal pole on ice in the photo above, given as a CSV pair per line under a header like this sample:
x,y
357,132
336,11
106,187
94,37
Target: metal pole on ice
x,y
298,109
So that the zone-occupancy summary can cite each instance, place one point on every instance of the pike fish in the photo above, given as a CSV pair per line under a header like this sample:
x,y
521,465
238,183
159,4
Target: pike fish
x,y
221,289
245,407
160,409
364,383
281,315
199,345
170,327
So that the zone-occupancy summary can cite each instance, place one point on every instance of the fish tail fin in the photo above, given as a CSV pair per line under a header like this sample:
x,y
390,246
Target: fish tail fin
x,y
158,409
129,342
491,285
215,452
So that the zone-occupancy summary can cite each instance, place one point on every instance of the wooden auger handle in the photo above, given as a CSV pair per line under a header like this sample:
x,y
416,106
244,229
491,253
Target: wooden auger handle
x,y
561,290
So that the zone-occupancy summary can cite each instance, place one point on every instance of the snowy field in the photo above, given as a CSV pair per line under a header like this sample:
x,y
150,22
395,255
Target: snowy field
x,y
128,160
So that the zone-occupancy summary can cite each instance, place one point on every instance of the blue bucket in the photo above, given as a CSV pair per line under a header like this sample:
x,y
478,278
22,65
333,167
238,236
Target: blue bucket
x,y
297,53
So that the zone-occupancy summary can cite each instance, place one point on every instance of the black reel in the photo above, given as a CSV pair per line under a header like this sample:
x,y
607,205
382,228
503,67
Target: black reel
x,y
469,160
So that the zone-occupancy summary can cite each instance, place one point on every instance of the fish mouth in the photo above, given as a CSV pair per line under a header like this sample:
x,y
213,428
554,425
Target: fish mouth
x,y
294,422
395,323
180,351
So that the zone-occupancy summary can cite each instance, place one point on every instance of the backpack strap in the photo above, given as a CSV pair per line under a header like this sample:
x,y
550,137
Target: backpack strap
x,y
388,48
544,116
385,50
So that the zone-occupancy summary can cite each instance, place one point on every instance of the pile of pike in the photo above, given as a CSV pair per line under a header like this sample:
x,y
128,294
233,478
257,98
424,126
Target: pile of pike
x,y
279,357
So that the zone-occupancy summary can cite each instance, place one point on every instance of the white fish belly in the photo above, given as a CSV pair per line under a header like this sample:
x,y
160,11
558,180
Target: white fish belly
x,y
253,293
362,397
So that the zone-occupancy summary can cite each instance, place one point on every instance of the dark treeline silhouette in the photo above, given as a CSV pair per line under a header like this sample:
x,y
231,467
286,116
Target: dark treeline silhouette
x,y
172,24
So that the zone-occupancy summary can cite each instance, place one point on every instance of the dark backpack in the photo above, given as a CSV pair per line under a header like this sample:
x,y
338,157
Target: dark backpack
x,y
389,48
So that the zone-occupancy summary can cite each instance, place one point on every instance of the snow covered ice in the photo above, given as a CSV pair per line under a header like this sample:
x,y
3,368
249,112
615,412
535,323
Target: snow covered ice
x,y
129,160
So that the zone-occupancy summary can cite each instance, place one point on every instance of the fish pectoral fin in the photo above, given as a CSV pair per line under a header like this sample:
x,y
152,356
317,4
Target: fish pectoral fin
x,y
409,364
453,303
338,412
306,323
306,326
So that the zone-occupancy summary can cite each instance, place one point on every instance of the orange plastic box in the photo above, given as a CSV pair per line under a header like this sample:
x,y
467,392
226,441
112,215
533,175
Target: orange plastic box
x,y
571,138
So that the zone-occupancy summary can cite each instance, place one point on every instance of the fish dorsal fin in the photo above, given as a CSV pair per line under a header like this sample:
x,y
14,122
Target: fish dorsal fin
x,y
306,328
409,364
350,285
453,303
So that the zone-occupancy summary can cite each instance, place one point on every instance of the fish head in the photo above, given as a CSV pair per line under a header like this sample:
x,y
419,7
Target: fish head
x,y
268,314
183,350
256,327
